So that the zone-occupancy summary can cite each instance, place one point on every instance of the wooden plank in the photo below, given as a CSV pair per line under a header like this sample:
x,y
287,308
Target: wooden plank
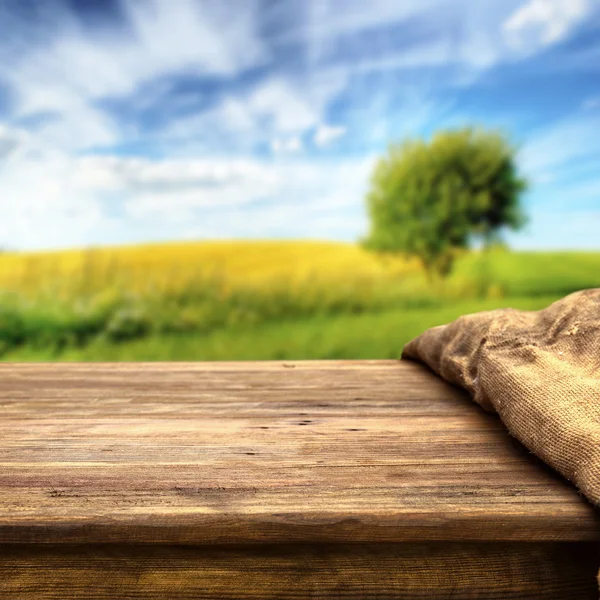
x,y
504,571
246,453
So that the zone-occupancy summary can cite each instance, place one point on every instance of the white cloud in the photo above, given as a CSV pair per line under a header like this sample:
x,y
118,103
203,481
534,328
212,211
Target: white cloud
x,y
331,19
326,134
159,189
543,22
276,110
73,67
82,127
44,205
60,201
62,71
324,200
459,33
66,70
295,197
283,105
166,175
293,144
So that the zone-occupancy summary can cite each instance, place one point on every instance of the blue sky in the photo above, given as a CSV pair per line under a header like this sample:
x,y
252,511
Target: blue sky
x,y
124,121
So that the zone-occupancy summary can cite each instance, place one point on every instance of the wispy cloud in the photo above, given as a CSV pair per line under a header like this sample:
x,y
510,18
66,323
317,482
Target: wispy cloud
x,y
326,134
544,22
63,71
161,39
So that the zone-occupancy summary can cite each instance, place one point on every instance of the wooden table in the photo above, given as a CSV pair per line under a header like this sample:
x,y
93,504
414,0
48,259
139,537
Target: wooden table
x,y
350,479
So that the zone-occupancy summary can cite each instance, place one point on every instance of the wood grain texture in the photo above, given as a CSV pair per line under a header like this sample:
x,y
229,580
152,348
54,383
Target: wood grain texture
x,y
243,453
434,570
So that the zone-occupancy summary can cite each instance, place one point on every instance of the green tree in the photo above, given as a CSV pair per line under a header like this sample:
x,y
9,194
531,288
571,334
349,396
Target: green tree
x,y
430,199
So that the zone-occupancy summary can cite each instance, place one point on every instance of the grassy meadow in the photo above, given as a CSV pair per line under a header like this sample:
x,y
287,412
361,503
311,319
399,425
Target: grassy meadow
x,y
255,300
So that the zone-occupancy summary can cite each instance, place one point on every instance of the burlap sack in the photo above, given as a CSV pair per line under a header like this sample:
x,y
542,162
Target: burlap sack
x,y
540,371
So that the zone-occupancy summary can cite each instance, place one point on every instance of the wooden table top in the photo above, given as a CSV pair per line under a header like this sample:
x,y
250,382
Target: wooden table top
x,y
204,453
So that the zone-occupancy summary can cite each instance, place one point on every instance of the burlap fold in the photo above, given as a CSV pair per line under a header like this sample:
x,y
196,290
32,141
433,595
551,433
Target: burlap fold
x,y
539,371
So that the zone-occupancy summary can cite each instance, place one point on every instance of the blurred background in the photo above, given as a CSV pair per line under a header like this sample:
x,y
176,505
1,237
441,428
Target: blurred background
x,y
289,179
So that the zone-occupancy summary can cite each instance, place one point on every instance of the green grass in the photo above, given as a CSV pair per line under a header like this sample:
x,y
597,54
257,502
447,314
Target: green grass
x,y
371,336
532,273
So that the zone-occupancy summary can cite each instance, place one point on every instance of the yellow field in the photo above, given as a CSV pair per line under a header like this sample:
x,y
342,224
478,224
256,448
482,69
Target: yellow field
x,y
72,297
173,269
